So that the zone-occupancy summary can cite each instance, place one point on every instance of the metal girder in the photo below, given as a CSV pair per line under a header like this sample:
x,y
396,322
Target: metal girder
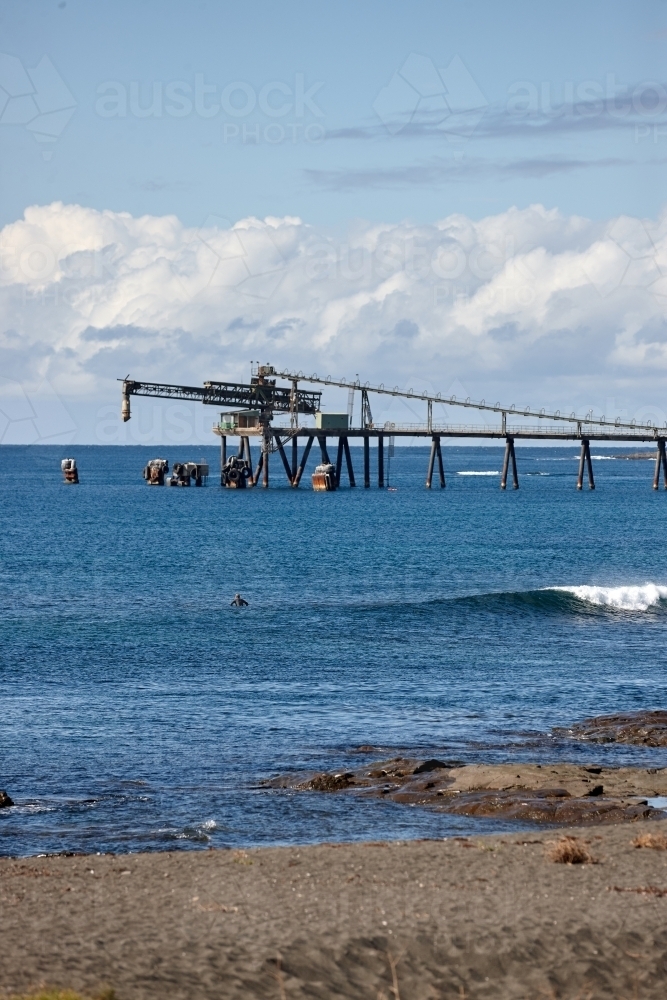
x,y
256,396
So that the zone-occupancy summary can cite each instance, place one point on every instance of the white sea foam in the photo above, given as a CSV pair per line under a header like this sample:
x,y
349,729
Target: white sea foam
x,y
209,824
633,598
477,473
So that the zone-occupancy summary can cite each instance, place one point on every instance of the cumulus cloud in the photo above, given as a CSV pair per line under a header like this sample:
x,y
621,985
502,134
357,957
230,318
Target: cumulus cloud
x,y
525,296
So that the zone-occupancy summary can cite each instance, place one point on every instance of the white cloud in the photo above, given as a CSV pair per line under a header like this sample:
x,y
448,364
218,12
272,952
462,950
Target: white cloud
x,y
522,298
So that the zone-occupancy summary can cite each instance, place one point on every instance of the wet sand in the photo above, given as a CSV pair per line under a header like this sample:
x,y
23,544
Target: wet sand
x,y
486,917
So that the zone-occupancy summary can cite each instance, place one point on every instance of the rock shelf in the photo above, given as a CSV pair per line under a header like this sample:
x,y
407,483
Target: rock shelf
x,y
543,793
636,728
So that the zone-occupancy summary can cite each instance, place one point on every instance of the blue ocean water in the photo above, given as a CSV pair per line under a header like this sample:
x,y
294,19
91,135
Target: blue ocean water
x,y
138,710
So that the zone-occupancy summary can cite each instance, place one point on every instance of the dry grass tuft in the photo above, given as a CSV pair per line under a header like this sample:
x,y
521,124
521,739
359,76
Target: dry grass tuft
x,y
569,851
241,858
658,841
393,962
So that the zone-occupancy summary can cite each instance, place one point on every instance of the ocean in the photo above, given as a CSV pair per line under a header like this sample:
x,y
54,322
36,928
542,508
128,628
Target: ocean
x,y
139,711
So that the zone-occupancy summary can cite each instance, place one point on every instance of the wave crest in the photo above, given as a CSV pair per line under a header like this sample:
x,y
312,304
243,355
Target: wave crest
x,y
640,597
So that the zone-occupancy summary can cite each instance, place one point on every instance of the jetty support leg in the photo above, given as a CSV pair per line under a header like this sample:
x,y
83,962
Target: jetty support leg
x,y
431,463
323,449
339,460
380,461
260,464
582,462
304,459
441,467
246,451
515,475
282,454
661,459
241,452
265,468
506,465
223,454
367,463
295,458
591,481
348,459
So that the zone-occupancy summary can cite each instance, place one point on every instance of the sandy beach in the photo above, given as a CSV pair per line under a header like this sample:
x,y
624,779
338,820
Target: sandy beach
x,y
488,917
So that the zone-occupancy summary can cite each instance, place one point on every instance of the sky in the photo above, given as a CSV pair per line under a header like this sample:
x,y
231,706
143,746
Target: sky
x,y
463,197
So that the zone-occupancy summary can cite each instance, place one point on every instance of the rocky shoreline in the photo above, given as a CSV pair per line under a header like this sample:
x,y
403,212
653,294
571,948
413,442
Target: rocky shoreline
x,y
554,793
558,793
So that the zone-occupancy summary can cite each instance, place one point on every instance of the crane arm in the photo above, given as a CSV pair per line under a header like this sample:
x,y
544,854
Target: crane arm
x,y
257,395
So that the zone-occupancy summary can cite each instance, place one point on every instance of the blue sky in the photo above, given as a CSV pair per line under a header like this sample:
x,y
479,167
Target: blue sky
x,y
443,194
193,167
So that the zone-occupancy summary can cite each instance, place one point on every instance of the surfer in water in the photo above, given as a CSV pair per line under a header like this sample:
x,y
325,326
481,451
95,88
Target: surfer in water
x,y
238,602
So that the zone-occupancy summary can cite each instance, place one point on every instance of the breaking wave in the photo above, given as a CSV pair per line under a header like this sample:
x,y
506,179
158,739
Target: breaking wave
x,y
633,598
576,600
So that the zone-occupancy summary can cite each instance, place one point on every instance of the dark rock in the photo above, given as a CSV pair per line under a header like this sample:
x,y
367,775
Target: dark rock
x,y
436,765
597,790
331,782
5,800
637,728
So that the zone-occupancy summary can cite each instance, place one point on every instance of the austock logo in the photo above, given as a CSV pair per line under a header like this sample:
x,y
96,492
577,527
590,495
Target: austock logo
x,y
38,99
627,256
33,414
448,100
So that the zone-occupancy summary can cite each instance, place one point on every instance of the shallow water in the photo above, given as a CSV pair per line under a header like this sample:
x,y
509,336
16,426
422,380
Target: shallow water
x,y
138,710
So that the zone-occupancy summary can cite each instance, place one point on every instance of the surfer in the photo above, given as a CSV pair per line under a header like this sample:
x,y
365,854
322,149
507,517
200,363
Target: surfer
x,y
238,602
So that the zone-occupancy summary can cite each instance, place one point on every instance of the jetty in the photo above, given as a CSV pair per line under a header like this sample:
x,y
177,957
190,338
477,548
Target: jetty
x,y
272,415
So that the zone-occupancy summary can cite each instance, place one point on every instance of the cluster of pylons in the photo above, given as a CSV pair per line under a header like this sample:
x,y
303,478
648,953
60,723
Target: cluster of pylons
x,y
182,473
236,471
